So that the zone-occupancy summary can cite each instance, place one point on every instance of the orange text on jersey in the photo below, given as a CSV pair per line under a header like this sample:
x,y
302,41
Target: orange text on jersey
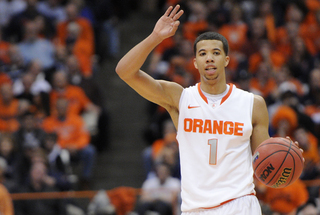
x,y
213,126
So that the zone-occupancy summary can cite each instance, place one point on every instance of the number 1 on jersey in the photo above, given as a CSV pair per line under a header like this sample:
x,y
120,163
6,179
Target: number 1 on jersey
x,y
213,151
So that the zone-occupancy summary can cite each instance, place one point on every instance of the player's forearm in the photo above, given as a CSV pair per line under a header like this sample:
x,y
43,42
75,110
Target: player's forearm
x,y
135,58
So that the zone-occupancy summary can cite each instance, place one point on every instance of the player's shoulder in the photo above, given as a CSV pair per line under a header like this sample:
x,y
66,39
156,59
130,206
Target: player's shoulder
x,y
259,100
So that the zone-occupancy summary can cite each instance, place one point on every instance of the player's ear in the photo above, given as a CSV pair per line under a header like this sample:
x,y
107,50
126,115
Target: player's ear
x,y
227,60
195,63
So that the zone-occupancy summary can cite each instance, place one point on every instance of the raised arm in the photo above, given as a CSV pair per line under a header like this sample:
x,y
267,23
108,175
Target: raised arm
x,y
164,93
260,122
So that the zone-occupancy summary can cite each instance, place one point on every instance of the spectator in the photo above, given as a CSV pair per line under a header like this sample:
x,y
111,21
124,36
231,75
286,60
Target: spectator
x,y
285,80
312,100
159,194
287,200
310,31
8,183
236,33
182,68
9,9
4,49
265,11
159,61
79,102
267,55
197,20
34,47
5,201
309,208
72,136
59,165
29,135
257,33
9,152
106,31
53,9
40,181
169,154
78,33
263,82
284,121
8,109
14,30
16,67
4,78
32,82
99,122
309,143
300,62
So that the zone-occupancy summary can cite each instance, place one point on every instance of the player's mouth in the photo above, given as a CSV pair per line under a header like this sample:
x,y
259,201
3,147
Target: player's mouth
x,y
210,70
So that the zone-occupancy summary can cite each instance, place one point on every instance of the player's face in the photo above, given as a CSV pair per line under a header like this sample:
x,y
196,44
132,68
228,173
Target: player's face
x,y
211,60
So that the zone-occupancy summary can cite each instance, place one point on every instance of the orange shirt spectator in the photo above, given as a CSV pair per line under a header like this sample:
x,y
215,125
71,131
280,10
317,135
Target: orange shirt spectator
x,y
4,78
236,34
235,31
84,44
6,204
192,29
198,23
123,199
309,143
284,120
69,128
165,45
75,95
78,101
310,31
287,200
265,89
4,49
266,12
263,82
266,54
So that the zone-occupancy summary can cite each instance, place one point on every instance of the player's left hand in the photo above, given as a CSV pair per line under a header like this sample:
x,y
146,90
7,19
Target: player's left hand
x,y
296,142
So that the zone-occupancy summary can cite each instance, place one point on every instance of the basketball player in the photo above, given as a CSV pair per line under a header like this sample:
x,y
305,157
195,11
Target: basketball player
x,y
218,125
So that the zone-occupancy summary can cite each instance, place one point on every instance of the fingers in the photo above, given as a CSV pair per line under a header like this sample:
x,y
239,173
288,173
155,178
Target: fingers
x,y
178,15
173,12
296,142
168,11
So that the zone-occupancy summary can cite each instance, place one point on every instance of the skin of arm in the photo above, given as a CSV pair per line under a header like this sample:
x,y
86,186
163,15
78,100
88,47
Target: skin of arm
x,y
260,122
164,93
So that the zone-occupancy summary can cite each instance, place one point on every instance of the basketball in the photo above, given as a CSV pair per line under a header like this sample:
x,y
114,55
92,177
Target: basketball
x,y
277,162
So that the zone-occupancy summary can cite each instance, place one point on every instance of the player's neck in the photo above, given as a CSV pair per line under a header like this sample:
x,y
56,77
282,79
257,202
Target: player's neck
x,y
215,89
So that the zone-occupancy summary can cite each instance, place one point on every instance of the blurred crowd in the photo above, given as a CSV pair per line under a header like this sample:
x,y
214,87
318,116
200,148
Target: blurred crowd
x,y
53,119
275,53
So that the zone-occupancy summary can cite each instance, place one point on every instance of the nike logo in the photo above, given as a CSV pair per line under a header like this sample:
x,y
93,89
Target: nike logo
x,y
190,107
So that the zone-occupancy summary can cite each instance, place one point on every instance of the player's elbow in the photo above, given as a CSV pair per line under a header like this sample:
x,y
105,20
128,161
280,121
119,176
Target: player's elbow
x,y
124,72
119,70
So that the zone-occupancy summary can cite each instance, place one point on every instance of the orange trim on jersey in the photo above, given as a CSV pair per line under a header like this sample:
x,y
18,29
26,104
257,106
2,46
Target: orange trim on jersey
x,y
228,94
201,93
230,200
222,100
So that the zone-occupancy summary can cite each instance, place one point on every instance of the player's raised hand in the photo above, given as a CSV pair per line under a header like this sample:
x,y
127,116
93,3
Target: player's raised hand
x,y
168,24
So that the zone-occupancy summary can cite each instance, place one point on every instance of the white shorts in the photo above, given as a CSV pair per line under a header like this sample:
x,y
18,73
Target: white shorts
x,y
246,205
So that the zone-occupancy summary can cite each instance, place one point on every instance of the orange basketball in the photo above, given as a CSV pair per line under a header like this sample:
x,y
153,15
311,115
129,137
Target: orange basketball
x,y
277,162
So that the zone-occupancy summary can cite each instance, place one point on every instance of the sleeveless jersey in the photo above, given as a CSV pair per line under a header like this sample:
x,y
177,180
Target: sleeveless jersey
x,y
214,146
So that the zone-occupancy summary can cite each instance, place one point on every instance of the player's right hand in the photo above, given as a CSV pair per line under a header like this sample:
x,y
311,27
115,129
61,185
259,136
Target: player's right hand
x,y
168,24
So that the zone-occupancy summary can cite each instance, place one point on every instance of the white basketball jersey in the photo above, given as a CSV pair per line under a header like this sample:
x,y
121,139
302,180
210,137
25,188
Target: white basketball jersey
x,y
214,145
